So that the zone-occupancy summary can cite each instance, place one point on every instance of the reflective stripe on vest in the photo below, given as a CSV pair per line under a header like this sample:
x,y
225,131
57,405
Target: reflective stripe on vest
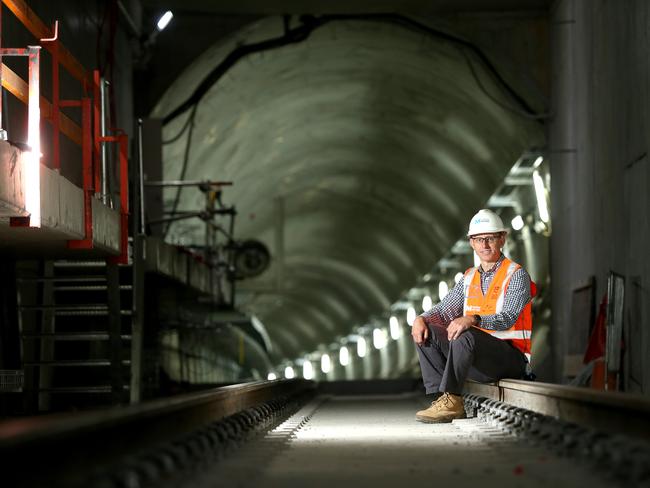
x,y
490,303
512,334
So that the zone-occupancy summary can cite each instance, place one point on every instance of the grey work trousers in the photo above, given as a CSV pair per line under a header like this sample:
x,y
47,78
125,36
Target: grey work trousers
x,y
474,354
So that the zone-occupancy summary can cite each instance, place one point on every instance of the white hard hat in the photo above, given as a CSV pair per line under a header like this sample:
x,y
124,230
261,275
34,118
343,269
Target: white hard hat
x,y
485,222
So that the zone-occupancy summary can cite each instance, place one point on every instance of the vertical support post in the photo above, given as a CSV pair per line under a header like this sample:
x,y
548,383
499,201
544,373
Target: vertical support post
x,y
137,277
87,158
47,326
279,241
96,136
137,317
56,162
230,272
3,132
114,330
33,172
103,152
27,293
209,245
87,172
124,196
141,179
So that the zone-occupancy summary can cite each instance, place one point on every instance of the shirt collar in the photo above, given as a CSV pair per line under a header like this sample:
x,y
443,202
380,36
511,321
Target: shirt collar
x,y
493,269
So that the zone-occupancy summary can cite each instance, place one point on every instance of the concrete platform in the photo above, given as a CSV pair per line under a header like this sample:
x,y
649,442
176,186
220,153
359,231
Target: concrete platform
x,y
62,213
375,441
178,264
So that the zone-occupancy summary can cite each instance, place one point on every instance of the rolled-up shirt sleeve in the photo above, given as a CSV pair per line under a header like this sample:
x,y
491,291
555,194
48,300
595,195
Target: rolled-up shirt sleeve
x,y
448,308
516,297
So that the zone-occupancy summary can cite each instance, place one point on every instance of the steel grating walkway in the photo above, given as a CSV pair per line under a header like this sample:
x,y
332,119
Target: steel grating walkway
x,y
375,441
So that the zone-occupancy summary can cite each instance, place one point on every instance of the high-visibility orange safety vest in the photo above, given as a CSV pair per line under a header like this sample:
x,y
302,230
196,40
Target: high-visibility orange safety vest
x,y
492,302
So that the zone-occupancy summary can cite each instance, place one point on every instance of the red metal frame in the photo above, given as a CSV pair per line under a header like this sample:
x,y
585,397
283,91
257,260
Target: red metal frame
x,y
88,190
88,136
122,139
91,175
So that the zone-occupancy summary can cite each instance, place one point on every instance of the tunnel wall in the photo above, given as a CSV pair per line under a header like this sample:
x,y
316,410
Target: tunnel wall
x,y
598,148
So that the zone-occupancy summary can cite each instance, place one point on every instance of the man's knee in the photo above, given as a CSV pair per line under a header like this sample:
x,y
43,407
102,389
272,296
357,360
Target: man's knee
x,y
465,341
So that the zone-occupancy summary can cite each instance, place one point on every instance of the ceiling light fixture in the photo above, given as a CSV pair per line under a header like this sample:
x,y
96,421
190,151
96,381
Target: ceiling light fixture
x,y
443,289
325,363
410,316
361,347
379,339
307,370
395,330
344,356
164,20
517,223
289,373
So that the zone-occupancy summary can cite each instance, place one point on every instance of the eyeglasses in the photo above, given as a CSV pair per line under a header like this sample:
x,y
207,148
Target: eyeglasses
x,y
483,240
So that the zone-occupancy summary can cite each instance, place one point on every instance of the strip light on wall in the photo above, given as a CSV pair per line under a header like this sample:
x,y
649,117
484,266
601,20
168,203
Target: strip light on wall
x,y
344,356
540,193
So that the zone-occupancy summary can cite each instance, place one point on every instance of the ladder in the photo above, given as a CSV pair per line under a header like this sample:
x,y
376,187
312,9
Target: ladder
x,y
75,321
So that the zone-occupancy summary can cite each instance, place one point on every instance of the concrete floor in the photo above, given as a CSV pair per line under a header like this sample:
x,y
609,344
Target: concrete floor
x,y
375,441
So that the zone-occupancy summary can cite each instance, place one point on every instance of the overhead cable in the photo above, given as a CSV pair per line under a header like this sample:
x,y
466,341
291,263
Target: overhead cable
x,y
310,24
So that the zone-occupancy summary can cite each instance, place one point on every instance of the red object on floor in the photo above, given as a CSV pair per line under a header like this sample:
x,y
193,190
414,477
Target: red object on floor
x,y
598,338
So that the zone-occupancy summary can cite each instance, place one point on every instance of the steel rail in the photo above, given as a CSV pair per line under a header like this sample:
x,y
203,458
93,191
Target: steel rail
x,y
611,412
82,442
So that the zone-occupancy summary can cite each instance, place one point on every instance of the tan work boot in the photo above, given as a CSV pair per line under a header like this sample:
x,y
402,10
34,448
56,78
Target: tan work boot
x,y
445,409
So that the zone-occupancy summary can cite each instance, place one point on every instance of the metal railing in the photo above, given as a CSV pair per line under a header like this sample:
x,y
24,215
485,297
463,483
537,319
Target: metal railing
x,y
92,141
11,380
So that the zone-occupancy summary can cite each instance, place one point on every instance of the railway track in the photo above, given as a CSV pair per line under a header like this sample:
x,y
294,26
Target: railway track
x,y
295,433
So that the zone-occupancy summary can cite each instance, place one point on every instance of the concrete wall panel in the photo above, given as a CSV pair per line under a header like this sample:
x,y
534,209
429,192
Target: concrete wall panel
x,y
598,143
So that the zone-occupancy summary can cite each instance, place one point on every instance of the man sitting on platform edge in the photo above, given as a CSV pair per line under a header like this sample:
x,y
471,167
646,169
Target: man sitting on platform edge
x,y
481,330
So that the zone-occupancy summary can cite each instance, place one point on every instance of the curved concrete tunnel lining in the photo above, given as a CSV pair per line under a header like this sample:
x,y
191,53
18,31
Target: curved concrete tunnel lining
x,y
239,178
322,126
244,46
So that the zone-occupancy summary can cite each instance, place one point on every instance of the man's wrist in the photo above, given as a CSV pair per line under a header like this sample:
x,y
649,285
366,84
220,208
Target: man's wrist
x,y
477,320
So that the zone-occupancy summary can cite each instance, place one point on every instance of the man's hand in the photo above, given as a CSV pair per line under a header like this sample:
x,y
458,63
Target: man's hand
x,y
419,331
457,326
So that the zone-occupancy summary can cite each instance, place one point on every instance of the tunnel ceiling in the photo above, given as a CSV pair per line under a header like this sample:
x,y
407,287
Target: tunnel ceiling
x,y
368,146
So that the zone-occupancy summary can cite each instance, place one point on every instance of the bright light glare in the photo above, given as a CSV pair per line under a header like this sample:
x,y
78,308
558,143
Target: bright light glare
x,y
271,377
395,329
517,223
443,289
344,356
325,363
538,161
410,316
164,20
361,433
477,260
32,181
540,193
307,370
457,277
289,373
379,339
427,303
361,347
